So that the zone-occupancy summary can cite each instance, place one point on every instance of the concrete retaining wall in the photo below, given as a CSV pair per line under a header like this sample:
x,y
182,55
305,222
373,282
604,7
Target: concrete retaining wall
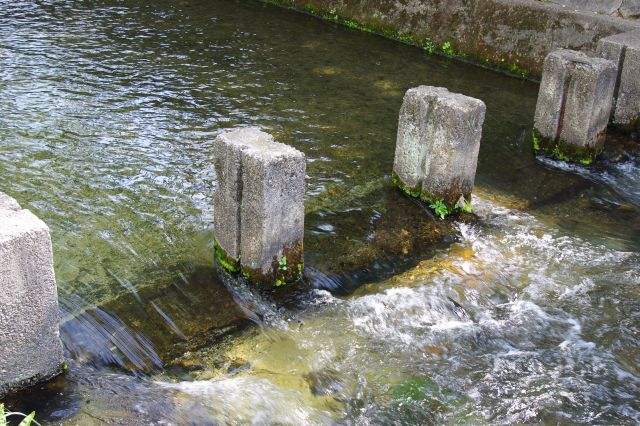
x,y
512,35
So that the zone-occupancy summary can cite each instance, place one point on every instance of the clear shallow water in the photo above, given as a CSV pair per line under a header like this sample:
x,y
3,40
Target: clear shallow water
x,y
107,115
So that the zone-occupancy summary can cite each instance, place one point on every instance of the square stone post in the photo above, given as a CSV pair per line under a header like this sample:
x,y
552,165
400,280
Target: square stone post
x,y
573,107
30,349
259,206
437,146
624,50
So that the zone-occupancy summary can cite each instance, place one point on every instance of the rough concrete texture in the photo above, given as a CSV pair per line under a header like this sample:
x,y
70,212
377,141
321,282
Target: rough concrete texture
x,y
630,9
624,50
438,142
509,34
259,202
228,195
624,8
575,98
31,349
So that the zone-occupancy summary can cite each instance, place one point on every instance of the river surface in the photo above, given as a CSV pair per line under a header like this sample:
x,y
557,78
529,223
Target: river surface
x,y
108,111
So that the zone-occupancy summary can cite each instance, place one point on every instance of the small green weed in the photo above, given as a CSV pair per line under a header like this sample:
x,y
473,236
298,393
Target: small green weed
x,y
536,139
282,268
586,161
26,421
440,208
282,264
448,49
463,205
228,264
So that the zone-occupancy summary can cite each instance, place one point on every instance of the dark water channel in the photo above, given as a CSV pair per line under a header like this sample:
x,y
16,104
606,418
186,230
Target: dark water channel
x,y
108,110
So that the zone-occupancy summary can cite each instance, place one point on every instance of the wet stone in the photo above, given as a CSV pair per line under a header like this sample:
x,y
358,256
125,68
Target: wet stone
x,y
437,144
370,243
259,206
324,382
574,104
624,50
31,349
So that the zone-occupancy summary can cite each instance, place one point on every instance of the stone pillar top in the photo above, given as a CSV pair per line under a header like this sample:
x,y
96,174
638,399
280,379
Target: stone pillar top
x,y
255,142
444,96
17,221
630,38
8,203
576,57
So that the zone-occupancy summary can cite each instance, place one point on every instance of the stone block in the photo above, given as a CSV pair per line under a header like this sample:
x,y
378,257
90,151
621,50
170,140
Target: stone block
x,y
437,144
259,206
630,8
574,104
31,350
624,50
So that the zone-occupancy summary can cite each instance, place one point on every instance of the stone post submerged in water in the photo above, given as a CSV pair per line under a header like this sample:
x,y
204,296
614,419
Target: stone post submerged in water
x,y
437,147
624,50
573,107
259,207
30,349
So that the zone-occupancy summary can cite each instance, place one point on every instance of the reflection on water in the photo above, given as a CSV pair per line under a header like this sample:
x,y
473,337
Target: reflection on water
x,y
108,112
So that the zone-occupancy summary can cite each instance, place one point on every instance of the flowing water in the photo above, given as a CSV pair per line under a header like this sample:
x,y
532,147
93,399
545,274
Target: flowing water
x,y
108,110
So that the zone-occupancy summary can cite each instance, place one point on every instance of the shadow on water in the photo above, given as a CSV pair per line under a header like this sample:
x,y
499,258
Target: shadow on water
x,y
384,233
135,330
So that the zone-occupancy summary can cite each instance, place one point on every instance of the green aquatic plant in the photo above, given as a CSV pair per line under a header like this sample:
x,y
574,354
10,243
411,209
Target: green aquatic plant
x,y
585,161
282,269
230,264
282,264
440,207
535,135
447,49
463,205
26,421
562,151
559,155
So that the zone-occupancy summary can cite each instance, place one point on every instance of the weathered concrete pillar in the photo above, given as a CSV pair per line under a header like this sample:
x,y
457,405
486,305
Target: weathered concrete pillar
x,y
437,146
624,50
259,206
574,104
30,346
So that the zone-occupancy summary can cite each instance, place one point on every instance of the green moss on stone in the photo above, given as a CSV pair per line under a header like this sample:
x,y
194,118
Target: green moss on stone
x,y
229,263
280,275
437,204
562,151
535,135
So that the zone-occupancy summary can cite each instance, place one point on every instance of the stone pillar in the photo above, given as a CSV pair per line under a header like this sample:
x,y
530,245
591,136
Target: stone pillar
x,y
624,50
574,104
437,146
259,207
30,348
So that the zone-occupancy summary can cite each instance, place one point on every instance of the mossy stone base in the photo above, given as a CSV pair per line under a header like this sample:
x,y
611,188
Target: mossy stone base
x,y
442,204
284,271
559,150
